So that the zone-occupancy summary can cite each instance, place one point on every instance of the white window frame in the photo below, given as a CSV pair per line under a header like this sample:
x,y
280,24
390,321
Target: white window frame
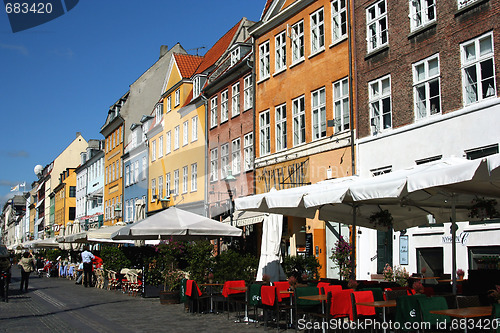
x,y
160,187
224,160
339,20
176,182
144,167
213,112
280,52
168,142
299,121
378,98
214,165
185,133
194,177
185,177
265,133
160,146
236,156
248,151
318,113
167,184
377,34
264,61
281,134
127,175
341,109
153,150
158,113
177,134
298,52
235,99
317,20
235,55
422,13
169,103
472,66
224,111
153,190
177,97
465,3
248,92
425,78
194,128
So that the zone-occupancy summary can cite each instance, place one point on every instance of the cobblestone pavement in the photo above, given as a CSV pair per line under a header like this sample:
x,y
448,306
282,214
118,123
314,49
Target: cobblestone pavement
x,y
58,305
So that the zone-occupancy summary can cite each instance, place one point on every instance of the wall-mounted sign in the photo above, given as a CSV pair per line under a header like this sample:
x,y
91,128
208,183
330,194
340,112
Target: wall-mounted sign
x,y
403,250
283,175
462,238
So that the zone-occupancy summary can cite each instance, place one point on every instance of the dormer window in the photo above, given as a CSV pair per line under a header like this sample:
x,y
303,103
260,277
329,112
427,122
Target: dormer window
x,y
158,113
198,83
235,55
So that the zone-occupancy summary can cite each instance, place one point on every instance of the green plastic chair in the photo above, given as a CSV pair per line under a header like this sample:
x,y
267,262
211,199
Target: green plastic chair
x,y
254,298
408,309
183,296
378,294
428,304
496,316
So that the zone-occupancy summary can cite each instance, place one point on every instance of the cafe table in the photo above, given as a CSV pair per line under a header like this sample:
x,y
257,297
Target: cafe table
x,y
380,304
466,313
211,286
320,298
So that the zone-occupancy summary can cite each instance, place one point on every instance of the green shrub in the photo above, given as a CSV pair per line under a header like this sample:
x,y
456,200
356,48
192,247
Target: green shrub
x,y
298,266
114,259
231,265
200,260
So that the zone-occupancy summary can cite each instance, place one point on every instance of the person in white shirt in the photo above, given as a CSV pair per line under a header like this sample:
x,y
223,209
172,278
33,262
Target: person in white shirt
x,y
87,258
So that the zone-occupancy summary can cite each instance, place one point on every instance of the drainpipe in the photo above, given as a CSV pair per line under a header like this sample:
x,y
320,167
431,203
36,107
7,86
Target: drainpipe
x,y
254,93
207,178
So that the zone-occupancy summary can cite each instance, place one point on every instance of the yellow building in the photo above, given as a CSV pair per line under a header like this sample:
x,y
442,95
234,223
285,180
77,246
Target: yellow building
x,y
64,200
113,132
176,142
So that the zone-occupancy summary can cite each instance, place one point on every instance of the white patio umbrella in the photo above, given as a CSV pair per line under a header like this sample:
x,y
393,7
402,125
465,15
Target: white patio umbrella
x,y
269,262
46,243
175,222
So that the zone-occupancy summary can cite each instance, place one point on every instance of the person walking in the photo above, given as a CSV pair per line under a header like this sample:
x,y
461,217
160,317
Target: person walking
x,y
87,258
27,265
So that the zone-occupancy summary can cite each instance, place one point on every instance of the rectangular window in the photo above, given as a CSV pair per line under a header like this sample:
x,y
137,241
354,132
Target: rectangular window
x,y
299,121
281,127
341,105
153,190
153,151
422,12
194,177
265,133
236,156
169,104
280,49
317,31
318,101
224,160
158,113
264,61
298,42
339,20
379,94
72,191
185,133
160,187
185,179
144,167
376,25
127,175
235,56
214,165
465,3
213,112
167,185
177,97
176,137
426,87
168,142
235,100
160,146
248,151
478,69
194,128
248,92
224,111
176,182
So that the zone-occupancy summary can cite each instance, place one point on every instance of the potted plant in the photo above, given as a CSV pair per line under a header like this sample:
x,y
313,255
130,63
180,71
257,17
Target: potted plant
x,y
418,287
171,286
460,274
341,257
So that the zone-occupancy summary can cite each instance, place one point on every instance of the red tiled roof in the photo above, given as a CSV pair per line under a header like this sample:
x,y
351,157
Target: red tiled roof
x,y
266,8
218,49
187,64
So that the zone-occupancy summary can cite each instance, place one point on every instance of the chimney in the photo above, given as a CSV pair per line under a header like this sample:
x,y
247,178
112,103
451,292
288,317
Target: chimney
x,y
163,50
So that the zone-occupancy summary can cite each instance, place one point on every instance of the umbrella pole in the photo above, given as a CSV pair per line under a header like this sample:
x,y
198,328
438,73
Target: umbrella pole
x,y
453,244
353,255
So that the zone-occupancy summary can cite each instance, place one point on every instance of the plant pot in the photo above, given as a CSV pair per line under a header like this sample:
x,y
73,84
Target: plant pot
x,y
151,291
169,297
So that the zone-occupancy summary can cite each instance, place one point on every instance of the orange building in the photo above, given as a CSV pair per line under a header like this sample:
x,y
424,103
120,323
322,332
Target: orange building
x,y
113,132
303,122
64,200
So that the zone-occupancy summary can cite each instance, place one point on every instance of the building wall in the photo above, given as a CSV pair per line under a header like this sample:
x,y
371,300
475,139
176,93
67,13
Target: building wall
x,y
113,175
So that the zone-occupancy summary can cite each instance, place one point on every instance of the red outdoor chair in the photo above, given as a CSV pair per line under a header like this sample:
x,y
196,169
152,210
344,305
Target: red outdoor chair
x,y
362,311
232,295
341,304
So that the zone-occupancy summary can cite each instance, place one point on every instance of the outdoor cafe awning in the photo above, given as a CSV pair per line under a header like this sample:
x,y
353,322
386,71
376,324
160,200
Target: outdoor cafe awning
x,y
242,218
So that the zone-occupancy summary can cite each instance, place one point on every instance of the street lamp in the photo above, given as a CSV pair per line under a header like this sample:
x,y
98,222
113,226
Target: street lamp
x,y
230,179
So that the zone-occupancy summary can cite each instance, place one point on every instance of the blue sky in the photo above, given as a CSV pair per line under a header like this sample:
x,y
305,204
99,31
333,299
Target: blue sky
x,y
60,78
